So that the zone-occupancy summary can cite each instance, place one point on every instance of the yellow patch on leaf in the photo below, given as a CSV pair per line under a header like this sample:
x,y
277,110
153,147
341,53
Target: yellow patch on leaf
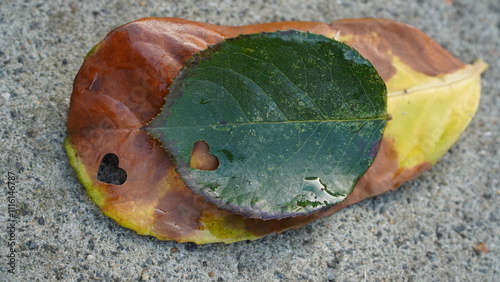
x,y
428,117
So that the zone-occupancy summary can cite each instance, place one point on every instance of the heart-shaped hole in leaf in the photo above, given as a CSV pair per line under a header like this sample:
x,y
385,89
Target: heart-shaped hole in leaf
x,y
300,114
201,157
109,171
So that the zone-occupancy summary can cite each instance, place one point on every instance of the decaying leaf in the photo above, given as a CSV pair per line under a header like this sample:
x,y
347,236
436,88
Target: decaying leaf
x,y
120,87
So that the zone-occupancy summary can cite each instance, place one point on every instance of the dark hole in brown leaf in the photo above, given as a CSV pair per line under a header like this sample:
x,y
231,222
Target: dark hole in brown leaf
x,y
109,172
201,157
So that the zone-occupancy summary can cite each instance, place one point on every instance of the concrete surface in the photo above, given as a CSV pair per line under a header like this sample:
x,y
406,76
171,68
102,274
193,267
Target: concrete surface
x,y
426,230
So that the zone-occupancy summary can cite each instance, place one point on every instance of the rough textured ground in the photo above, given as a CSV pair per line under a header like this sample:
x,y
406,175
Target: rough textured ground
x,y
426,230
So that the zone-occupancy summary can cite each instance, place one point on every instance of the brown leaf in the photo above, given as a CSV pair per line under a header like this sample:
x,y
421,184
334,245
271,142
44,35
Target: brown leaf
x,y
123,80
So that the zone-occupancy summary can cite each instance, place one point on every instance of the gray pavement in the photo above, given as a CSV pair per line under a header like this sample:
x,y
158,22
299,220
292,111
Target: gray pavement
x,y
429,229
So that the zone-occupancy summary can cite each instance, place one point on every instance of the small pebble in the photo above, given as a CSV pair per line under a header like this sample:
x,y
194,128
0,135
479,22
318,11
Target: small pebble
x,y
91,258
481,248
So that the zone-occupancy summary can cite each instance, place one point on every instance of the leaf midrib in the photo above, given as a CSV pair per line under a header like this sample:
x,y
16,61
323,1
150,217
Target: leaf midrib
x,y
271,122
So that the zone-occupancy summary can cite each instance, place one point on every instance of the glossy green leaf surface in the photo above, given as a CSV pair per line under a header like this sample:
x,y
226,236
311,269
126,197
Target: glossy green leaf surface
x,y
293,118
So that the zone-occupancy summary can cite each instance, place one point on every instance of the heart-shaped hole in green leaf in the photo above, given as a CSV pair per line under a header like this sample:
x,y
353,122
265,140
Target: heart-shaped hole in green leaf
x,y
291,117
109,172
201,158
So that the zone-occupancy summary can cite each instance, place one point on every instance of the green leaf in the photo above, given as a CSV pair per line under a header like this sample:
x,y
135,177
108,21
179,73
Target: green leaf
x,y
293,118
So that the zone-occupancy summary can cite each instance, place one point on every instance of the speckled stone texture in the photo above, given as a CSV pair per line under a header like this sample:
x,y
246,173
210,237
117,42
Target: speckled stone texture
x,y
428,230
